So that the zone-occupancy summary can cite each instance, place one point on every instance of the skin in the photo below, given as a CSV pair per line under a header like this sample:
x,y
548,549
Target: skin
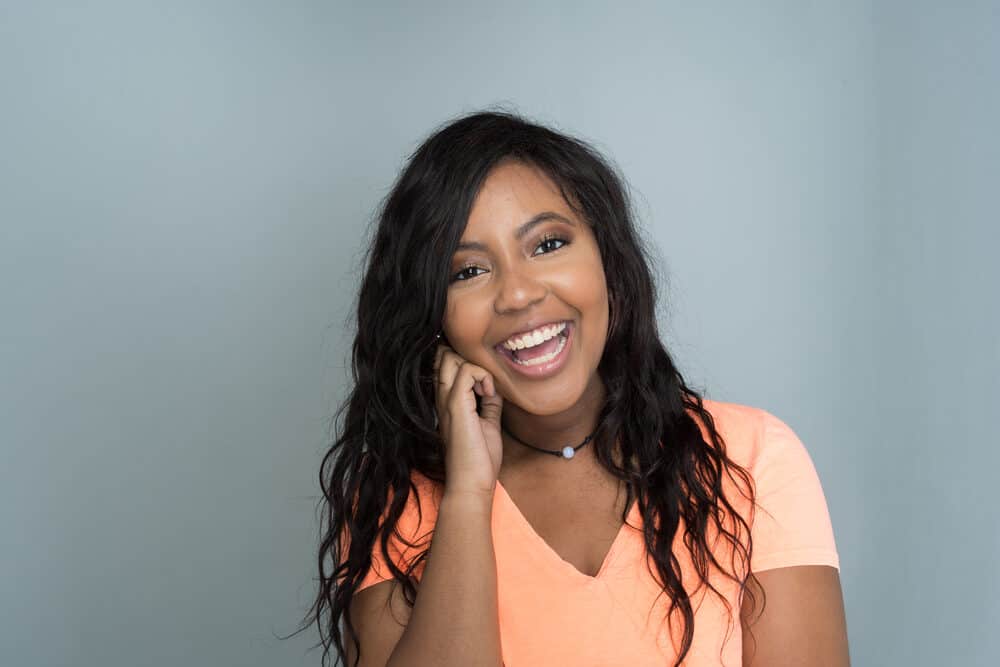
x,y
803,620
511,280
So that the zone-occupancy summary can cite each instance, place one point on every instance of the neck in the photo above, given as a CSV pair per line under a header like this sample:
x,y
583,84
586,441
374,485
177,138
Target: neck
x,y
552,432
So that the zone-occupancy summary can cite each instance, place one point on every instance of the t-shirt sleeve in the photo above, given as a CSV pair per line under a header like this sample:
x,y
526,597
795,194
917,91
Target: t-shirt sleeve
x,y
792,524
413,526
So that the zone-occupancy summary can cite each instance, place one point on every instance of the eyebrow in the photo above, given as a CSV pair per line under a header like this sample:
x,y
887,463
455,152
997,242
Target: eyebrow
x,y
522,231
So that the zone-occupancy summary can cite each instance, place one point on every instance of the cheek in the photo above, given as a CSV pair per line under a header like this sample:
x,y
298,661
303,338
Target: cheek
x,y
591,293
453,314
465,323
587,289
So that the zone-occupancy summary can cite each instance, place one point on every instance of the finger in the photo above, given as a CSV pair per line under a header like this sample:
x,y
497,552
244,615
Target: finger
x,y
447,363
450,363
464,383
438,355
490,408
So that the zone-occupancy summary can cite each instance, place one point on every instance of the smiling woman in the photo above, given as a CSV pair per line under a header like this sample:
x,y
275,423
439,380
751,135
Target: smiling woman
x,y
529,278
507,313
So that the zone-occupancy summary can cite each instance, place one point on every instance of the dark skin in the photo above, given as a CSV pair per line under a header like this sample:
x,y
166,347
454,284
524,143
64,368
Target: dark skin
x,y
511,281
803,621
552,273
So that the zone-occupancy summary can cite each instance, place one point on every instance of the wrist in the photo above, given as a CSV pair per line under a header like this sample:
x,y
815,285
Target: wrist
x,y
473,498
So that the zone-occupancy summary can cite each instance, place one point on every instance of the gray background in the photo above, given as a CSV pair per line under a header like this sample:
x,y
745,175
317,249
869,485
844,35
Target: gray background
x,y
184,189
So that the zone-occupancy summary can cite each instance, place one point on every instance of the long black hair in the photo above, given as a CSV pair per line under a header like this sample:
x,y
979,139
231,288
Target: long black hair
x,y
386,428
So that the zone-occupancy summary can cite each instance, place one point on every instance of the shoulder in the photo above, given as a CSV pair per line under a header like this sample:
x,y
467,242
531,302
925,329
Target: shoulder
x,y
408,540
790,519
415,527
754,437
421,508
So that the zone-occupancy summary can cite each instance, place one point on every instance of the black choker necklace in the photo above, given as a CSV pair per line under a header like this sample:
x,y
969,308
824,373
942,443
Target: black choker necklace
x,y
566,452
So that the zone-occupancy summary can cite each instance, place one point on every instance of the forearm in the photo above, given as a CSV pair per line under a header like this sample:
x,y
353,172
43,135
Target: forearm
x,y
454,620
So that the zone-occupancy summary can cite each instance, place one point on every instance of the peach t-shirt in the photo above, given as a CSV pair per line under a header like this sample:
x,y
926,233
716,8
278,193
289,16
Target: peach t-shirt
x,y
553,614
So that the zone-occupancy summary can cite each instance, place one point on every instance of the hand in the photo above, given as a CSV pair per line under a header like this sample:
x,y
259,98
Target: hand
x,y
472,441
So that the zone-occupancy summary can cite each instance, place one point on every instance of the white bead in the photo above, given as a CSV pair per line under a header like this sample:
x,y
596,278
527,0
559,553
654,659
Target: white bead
x,y
568,452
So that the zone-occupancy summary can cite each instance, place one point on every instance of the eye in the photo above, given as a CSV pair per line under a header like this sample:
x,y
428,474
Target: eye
x,y
463,272
550,239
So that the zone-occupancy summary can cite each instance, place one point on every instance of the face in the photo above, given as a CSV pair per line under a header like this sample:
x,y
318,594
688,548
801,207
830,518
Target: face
x,y
515,272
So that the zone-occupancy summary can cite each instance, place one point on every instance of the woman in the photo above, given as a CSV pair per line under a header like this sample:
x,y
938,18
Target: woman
x,y
521,450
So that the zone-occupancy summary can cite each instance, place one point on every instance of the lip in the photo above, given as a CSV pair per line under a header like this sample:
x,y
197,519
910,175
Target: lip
x,y
541,371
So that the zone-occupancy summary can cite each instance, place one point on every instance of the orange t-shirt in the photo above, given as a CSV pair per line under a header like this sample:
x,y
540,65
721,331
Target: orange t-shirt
x,y
553,614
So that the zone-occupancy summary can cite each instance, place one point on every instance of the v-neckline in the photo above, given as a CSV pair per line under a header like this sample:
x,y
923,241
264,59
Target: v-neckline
x,y
553,555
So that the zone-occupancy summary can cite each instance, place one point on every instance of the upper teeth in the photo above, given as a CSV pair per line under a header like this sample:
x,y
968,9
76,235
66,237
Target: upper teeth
x,y
532,338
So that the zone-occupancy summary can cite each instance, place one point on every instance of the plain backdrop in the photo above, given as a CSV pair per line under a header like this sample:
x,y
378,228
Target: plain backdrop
x,y
185,191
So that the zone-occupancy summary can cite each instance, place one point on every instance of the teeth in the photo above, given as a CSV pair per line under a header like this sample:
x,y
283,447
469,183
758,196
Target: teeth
x,y
545,357
533,338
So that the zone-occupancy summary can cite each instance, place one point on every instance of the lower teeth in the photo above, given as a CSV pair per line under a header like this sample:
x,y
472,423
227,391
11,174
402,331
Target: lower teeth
x,y
545,357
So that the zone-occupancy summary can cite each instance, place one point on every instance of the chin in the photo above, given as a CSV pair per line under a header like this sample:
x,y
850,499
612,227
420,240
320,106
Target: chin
x,y
550,400
545,408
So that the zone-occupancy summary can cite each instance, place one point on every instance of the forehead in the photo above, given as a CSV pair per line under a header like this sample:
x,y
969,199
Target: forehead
x,y
512,193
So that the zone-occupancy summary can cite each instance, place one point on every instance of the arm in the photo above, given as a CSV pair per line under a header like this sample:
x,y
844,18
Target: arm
x,y
454,620
802,621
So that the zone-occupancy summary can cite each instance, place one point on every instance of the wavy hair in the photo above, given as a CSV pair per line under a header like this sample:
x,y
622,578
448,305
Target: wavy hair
x,y
386,427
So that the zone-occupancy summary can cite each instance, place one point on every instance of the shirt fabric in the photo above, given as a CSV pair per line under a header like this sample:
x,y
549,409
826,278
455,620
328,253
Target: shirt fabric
x,y
553,614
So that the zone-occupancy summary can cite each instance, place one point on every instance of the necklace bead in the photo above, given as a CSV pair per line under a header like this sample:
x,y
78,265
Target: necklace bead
x,y
566,452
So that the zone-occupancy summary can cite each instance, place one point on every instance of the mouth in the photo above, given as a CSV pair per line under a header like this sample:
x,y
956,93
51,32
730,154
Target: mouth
x,y
543,360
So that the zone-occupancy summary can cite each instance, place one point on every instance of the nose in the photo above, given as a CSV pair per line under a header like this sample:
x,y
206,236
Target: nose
x,y
518,290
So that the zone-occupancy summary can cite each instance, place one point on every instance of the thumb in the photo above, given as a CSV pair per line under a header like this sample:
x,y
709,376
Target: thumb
x,y
490,408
